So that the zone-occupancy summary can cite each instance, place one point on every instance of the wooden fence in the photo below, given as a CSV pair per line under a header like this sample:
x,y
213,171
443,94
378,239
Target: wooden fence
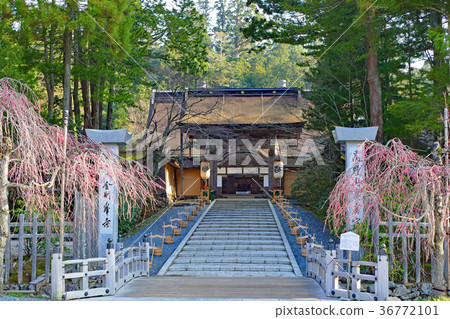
x,y
412,245
34,238
327,269
99,276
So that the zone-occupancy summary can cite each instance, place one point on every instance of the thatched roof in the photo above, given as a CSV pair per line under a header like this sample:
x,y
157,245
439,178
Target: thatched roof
x,y
238,106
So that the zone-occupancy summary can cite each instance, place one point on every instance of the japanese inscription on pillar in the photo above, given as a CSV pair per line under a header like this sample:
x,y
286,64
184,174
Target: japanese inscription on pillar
x,y
107,204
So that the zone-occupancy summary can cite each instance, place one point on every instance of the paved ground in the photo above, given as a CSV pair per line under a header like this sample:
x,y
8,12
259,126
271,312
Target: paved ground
x,y
219,288
235,238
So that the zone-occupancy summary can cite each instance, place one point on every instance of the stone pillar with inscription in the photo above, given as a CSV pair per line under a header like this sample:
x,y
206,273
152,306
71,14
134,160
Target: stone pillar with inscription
x,y
107,192
353,138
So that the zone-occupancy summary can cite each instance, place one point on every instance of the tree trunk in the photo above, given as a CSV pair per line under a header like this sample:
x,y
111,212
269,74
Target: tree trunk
x,y
100,103
84,81
439,283
50,88
49,82
67,71
76,101
373,78
109,111
100,115
4,208
94,105
87,107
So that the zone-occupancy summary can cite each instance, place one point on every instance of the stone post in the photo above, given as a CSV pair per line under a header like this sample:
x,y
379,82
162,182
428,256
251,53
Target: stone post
x,y
58,287
353,138
108,197
110,267
382,283
146,256
331,282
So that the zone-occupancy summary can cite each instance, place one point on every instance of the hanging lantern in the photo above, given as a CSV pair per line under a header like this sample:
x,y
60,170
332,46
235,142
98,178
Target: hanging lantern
x,y
205,170
278,169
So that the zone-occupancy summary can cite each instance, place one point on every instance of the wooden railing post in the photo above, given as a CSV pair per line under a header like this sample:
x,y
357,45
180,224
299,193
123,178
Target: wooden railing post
x,y
330,280
57,274
382,282
48,250
84,283
146,256
110,267
356,283
119,245
34,233
8,252
21,248
308,256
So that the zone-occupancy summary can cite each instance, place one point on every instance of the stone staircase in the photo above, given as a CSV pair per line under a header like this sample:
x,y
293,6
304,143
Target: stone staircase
x,y
237,238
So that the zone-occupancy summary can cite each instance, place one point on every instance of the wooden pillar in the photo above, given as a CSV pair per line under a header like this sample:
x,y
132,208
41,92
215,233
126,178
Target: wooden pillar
x,y
272,181
85,232
181,166
213,177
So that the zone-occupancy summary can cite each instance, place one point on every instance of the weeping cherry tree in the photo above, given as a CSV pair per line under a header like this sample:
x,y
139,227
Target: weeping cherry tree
x,y
397,181
32,155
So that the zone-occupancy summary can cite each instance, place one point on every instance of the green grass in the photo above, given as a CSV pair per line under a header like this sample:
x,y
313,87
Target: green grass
x,y
22,295
440,299
40,269
144,223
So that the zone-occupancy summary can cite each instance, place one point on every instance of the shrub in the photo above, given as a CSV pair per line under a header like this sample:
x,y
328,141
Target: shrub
x,y
312,188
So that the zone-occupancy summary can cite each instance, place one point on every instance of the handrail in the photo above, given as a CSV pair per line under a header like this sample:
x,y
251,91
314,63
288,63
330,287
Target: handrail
x,y
326,269
116,269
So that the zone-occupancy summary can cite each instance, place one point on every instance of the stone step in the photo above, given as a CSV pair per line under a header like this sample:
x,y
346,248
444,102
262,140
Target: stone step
x,y
236,233
239,214
236,228
238,220
232,221
226,242
232,259
230,273
239,225
233,247
233,253
230,267
208,236
235,238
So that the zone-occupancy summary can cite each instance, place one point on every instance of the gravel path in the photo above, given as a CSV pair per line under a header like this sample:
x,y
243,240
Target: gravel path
x,y
315,227
156,228
9,298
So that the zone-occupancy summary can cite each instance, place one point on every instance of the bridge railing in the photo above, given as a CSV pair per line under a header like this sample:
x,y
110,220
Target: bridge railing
x,y
101,276
327,270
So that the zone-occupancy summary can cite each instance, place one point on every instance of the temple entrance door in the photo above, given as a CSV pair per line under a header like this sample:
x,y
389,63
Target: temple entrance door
x,y
242,184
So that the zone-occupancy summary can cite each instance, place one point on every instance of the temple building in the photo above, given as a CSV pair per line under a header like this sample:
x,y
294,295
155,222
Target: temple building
x,y
239,132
